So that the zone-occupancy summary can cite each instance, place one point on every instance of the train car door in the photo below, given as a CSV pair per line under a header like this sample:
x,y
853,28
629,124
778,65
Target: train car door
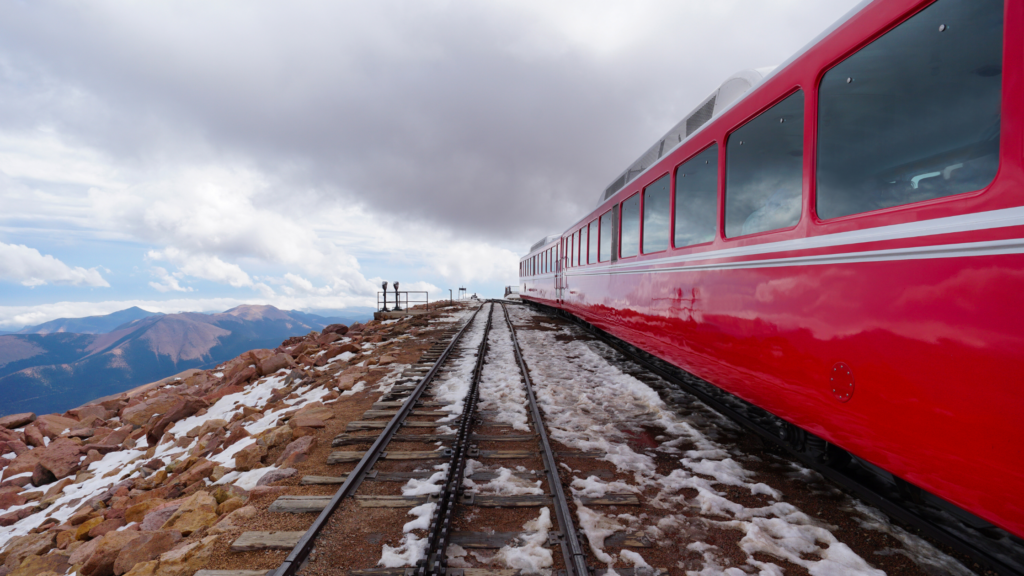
x,y
559,262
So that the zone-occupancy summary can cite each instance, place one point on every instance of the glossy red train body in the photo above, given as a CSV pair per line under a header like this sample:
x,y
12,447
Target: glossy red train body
x,y
896,334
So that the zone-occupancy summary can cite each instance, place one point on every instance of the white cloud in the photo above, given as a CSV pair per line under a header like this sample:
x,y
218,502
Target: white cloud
x,y
203,266
27,266
166,281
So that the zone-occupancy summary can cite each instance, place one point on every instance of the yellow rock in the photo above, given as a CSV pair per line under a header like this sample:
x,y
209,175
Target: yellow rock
x,y
82,532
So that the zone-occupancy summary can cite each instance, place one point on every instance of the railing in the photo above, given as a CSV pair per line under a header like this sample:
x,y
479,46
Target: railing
x,y
511,290
398,301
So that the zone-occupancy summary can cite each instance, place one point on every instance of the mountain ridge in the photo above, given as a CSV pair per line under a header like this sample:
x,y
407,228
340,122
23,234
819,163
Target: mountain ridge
x,y
53,371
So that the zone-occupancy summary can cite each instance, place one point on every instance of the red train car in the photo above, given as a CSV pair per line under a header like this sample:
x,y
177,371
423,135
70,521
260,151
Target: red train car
x,y
840,241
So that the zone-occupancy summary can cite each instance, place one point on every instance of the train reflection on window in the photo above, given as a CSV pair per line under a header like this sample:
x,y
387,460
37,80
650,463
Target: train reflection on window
x,y
606,236
764,167
657,208
629,241
915,114
697,199
592,254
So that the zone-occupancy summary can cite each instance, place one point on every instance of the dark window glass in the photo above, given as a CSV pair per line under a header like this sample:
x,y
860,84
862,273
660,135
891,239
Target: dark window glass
x,y
657,208
630,236
606,236
915,114
592,255
697,199
583,246
763,170
572,250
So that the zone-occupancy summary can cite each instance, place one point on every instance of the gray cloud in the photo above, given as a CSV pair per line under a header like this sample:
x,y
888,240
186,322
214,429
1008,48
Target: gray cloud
x,y
499,121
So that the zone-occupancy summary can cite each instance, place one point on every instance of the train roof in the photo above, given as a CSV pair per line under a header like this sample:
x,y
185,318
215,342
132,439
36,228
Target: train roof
x,y
731,91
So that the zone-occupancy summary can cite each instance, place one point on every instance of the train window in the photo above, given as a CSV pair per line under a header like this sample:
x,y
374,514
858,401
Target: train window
x,y
584,238
594,235
606,235
915,114
657,208
572,251
764,170
629,241
697,199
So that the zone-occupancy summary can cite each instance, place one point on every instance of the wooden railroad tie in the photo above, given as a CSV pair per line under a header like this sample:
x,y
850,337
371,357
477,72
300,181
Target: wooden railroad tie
x,y
482,540
381,424
345,439
249,541
450,572
482,476
415,412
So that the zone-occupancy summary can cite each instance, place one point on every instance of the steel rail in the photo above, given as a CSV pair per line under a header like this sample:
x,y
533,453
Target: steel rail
x,y
575,558
734,407
439,532
293,563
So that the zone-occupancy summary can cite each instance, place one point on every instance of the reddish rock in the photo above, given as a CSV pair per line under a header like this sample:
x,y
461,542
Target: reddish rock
x,y
91,456
34,437
350,347
16,515
83,552
306,422
21,547
9,499
297,451
25,462
41,476
61,458
17,420
328,338
101,562
198,471
106,526
275,363
91,411
11,436
137,512
141,413
16,446
277,476
250,457
197,511
146,547
53,425
37,565
186,407
339,329
156,517
82,532
303,431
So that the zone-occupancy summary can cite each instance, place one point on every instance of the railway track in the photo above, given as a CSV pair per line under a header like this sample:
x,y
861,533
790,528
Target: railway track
x,y
455,470
491,465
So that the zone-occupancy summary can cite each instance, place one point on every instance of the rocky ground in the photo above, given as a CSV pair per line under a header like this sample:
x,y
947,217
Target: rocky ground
x,y
160,480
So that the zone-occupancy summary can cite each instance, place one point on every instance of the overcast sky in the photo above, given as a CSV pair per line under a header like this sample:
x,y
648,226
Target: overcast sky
x,y
195,155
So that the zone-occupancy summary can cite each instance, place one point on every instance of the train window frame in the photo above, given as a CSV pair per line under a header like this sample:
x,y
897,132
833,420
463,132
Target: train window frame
x,y
643,214
846,58
805,123
639,214
719,195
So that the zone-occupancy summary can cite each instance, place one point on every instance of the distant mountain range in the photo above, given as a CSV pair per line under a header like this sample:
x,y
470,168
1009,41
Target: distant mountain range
x,y
66,362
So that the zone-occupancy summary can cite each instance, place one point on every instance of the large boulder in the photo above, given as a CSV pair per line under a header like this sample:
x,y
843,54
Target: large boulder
x,y
137,512
276,476
159,516
297,451
276,436
339,329
234,520
250,457
53,425
17,420
197,511
20,547
62,458
184,408
180,561
55,563
275,363
84,413
140,414
148,546
101,562
25,462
